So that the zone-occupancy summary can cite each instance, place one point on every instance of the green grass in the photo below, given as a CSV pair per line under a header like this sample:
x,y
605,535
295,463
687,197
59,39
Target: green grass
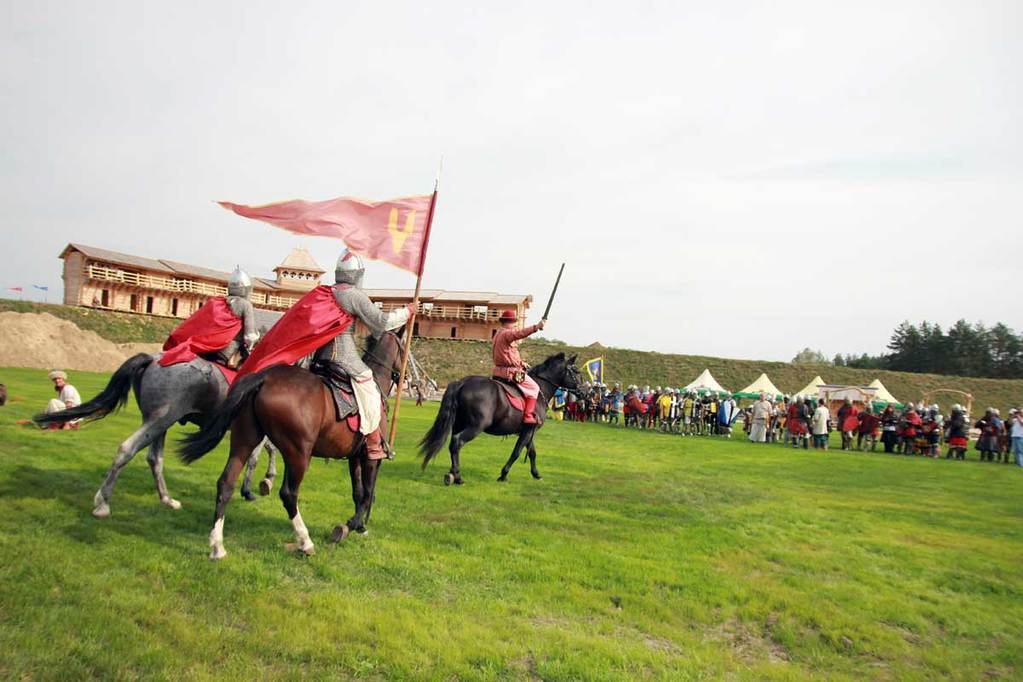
x,y
639,555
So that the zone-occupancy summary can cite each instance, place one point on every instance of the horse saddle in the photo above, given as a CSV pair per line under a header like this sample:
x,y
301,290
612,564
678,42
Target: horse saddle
x,y
339,384
514,394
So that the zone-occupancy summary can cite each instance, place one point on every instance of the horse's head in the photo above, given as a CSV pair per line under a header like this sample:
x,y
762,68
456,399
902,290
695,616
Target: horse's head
x,y
383,353
561,371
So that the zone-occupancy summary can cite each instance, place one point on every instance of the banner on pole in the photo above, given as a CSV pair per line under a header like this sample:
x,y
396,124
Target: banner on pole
x,y
393,231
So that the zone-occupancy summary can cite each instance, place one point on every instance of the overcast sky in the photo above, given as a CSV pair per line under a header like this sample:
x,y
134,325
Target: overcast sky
x,y
740,179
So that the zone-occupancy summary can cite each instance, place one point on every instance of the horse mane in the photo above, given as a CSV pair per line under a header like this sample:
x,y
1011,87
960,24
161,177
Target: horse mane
x,y
548,363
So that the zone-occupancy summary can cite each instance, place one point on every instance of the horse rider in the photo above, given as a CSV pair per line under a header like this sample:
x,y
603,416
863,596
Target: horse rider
x,y
210,331
350,297
508,364
239,295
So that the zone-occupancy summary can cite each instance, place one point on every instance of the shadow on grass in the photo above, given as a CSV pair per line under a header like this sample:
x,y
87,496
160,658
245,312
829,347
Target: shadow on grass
x,y
148,521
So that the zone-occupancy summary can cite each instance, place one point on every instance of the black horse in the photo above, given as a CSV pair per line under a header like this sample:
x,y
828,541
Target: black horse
x,y
476,405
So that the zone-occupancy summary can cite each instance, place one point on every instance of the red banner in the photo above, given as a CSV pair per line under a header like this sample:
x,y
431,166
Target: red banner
x,y
392,231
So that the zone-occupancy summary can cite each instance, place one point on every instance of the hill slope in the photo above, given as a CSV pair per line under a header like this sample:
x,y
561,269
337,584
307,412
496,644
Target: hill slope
x,y
446,360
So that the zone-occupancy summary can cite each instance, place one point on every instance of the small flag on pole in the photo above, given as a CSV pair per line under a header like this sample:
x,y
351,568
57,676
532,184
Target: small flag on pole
x,y
40,287
595,368
392,231
18,289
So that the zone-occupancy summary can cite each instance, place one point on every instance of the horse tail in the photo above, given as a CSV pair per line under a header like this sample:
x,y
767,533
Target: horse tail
x,y
110,399
195,445
434,439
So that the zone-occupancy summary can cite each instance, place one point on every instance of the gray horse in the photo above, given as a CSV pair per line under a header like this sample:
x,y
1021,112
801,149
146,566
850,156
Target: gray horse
x,y
185,392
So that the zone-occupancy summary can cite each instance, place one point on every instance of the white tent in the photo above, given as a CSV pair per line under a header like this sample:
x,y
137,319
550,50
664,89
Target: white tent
x,y
762,385
810,390
705,381
882,395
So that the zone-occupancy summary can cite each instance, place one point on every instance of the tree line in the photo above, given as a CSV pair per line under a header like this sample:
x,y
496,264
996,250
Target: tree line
x,y
971,350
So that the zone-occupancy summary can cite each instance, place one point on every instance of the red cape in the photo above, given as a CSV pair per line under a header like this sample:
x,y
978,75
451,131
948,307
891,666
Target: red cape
x,y
209,329
310,323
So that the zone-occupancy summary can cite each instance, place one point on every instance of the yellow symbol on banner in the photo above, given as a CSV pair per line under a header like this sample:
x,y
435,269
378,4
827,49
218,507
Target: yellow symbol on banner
x,y
399,235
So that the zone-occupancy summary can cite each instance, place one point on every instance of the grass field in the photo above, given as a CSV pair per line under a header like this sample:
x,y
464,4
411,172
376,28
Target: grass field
x,y
638,556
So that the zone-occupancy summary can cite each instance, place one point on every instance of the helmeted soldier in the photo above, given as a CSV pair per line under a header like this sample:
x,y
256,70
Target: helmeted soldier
x,y
239,291
220,330
508,364
350,297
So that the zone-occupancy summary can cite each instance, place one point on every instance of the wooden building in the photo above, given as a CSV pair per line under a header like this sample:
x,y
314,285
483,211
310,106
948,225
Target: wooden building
x,y
109,280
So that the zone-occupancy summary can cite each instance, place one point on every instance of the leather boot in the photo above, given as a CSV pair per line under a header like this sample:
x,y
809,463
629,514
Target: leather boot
x,y
529,411
374,447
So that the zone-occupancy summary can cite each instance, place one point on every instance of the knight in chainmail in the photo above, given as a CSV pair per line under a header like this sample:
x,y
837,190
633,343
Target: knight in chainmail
x,y
239,291
350,297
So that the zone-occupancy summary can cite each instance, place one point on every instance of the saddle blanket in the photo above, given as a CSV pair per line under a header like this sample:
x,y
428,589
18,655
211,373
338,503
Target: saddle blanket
x,y
515,397
339,384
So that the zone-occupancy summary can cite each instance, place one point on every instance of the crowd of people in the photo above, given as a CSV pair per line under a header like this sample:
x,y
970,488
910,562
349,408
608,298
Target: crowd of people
x,y
798,422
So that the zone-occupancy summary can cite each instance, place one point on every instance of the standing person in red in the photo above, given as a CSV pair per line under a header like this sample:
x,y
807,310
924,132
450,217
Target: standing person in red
x,y
508,365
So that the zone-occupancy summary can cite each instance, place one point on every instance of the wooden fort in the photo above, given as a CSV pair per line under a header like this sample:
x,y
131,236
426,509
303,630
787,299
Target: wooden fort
x,y
109,280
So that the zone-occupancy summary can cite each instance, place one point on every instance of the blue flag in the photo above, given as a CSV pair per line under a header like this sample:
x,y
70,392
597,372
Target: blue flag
x,y
40,287
595,368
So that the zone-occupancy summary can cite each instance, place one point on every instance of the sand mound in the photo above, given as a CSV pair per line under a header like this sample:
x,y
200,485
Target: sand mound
x,y
48,342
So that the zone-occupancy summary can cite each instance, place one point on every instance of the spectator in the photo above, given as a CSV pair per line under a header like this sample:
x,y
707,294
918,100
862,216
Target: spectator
x,y
889,425
558,404
795,423
848,424
956,434
761,416
1016,434
988,440
867,431
821,425
67,396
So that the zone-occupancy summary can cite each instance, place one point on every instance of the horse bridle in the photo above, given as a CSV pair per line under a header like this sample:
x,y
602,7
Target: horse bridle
x,y
395,374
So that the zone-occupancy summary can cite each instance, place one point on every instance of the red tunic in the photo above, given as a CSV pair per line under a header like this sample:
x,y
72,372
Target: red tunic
x,y
506,351
209,329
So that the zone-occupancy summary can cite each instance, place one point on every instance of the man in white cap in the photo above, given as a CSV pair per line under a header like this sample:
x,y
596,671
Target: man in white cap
x,y
67,396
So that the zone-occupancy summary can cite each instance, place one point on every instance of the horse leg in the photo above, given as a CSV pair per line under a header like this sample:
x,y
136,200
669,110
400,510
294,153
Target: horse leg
x,y
355,473
155,459
250,466
294,472
519,442
531,452
135,442
267,484
458,441
240,452
369,485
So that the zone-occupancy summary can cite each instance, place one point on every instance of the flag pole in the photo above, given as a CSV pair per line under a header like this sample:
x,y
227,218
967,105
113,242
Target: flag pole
x,y
409,326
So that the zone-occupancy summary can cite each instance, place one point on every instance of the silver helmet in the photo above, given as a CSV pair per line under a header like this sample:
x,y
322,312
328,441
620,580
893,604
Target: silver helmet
x,y
349,269
239,284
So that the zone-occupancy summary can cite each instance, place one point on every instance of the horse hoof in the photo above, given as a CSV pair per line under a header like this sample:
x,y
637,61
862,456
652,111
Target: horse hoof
x,y
249,497
265,486
217,553
295,547
339,534
502,479
362,531
449,479
458,480
102,511
172,503
537,477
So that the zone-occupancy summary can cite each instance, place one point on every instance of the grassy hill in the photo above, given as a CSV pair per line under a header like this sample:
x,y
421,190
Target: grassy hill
x,y
446,360
116,327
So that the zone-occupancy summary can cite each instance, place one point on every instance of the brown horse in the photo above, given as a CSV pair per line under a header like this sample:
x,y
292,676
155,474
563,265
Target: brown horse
x,y
294,408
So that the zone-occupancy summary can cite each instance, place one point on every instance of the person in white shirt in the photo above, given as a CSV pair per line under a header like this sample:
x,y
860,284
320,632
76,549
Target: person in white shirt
x,y
821,417
1016,434
67,396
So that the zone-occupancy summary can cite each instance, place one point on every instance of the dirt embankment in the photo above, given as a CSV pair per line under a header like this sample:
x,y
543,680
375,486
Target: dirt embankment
x,y
47,342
